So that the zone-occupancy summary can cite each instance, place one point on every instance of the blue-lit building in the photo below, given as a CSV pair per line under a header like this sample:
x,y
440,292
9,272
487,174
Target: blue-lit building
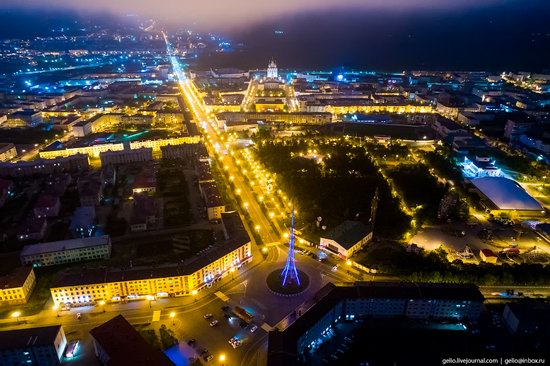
x,y
502,195
480,166
42,346
370,300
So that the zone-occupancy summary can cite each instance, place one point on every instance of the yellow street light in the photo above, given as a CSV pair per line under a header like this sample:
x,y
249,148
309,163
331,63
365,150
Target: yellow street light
x,y
257,227
194,293
264,249
173,315
348,262
55,307
16,315
222,357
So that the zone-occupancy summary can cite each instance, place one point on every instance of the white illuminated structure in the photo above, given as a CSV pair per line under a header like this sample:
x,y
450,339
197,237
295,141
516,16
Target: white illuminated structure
x,y
272,71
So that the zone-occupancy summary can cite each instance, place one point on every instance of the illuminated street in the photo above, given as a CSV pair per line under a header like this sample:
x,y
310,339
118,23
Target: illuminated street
x,y
290,183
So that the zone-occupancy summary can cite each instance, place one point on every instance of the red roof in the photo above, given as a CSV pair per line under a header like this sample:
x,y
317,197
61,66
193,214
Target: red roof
x,y
488,253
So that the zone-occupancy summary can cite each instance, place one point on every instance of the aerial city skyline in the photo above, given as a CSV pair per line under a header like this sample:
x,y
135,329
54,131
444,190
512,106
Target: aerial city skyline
x,y
274,183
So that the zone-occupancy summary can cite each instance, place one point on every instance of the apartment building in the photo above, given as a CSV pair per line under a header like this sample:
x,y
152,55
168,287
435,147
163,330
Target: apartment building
x,y
66,251
16,287
89,286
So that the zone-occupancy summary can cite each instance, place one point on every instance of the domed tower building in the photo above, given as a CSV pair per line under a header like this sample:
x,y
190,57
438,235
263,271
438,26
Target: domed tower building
x,y
272,71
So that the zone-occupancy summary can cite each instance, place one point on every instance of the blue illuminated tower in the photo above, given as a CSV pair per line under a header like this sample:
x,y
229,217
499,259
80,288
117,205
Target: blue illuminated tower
x,y
290,273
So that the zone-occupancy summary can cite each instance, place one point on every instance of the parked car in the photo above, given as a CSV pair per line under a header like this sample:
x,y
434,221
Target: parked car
x,y
72,348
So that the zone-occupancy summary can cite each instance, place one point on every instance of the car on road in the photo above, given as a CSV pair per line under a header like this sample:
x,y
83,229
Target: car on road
x,y
214,322
254,328
207,316
203,352
78,316
335,268
72,348
209,358
234,342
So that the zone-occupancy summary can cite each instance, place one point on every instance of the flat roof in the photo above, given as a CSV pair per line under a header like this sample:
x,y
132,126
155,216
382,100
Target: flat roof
x,y
506,194
24,338
348,233
237,238
70,244
282,344
125,346
15,279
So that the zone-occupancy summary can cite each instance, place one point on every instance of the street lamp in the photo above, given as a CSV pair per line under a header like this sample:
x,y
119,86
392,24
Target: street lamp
x,y
16,315
150,298
194,293
55,308
222,358
173,315
102,304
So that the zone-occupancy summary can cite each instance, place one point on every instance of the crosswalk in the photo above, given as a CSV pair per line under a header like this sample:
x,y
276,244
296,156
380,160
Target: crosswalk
x,y
222,296
156,316
266,327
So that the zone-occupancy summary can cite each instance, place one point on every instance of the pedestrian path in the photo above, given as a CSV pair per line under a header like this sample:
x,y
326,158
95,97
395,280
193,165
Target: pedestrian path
x,y
222,296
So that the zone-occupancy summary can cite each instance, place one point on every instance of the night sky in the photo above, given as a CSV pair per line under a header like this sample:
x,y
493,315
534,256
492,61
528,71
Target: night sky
x,y
491,35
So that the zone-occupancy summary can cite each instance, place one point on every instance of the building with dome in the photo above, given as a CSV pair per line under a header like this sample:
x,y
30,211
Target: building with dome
x,y
269,93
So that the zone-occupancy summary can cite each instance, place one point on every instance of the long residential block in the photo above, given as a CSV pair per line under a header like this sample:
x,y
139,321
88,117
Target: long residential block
x,y
66,251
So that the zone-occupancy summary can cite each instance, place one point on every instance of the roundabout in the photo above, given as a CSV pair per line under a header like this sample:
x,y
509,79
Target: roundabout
x,y
275,283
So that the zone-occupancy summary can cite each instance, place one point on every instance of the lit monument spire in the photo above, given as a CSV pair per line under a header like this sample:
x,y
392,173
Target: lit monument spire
x,y
290,273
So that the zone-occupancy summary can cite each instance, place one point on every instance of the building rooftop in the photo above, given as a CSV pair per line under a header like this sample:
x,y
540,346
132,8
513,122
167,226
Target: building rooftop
x,y
145,180
282,344
46,200
348,233
211,194
488,252
506,194
31,225
15,279
71,244
23,338
237,238
125,346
